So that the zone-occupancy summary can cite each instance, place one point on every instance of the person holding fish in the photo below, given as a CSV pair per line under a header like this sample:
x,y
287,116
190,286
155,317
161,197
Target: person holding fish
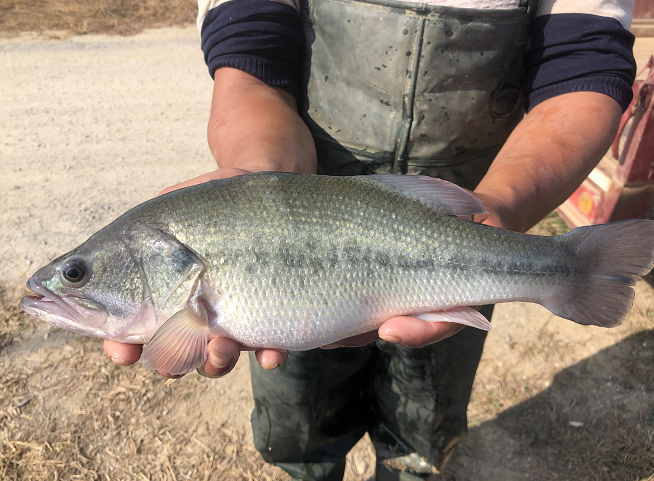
x,y
440,89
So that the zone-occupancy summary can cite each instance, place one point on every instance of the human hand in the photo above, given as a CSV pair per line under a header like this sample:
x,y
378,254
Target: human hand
x,y
405,330
223,352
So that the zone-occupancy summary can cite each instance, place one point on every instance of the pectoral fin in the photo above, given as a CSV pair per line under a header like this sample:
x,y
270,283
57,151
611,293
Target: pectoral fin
x,y
179,345
460,315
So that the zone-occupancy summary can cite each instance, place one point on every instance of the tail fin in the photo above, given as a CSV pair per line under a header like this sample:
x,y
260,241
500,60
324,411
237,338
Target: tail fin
x,y
612,258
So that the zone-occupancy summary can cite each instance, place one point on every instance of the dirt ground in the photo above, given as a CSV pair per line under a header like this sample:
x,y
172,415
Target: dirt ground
x,y
92,125
62,18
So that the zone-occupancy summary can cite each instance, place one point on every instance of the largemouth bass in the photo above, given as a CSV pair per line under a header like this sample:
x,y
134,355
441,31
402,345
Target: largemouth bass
x,y
297,261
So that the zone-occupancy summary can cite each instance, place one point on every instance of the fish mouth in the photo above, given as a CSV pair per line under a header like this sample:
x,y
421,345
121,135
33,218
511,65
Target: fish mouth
x,y
49,307
48,302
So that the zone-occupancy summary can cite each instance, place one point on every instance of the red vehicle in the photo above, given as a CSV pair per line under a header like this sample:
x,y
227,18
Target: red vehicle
x,y
622,185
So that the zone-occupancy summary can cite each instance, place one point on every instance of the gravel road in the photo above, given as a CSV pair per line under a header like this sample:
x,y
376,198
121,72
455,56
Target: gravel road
x,y
89,127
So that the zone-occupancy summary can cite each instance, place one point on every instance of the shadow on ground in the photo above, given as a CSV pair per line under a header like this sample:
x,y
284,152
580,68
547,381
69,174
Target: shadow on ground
x,y
594,422
649,278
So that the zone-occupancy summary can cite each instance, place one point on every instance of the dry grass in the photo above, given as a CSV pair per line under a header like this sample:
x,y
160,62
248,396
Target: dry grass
x,y
616,442
122,17
553,224
550,380
66,412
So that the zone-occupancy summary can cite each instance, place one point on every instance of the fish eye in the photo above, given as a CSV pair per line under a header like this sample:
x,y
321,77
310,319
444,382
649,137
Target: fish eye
x,y
74,272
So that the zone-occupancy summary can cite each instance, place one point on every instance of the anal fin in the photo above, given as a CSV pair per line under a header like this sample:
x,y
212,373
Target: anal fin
x,y
460,315
179,345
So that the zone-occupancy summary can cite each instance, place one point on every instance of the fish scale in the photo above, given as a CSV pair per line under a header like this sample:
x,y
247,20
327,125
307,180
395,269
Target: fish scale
x,y
424,268
299,261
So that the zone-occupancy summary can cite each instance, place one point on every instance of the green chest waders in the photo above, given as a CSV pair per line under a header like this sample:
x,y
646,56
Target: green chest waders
x,y
404,88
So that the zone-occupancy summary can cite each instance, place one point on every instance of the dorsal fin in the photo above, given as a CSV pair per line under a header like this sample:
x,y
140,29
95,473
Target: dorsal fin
x,y
447,198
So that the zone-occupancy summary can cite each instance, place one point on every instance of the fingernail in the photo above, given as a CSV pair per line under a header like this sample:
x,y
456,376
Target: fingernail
x,y
393,339
219,360
204,373
269,367
117,360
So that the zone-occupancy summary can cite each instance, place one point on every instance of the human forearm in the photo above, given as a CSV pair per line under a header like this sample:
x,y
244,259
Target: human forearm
x,y
255,127
546,157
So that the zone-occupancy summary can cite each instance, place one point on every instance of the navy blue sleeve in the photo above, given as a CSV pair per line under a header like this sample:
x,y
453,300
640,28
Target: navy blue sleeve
x,y
576,53
261,37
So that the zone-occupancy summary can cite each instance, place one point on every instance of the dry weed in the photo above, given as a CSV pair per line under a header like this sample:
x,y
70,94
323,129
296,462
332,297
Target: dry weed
x,y
553,224
608,396
122,17
67,412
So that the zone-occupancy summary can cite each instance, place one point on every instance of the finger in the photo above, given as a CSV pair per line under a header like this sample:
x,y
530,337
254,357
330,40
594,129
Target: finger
x,y
354,341
271,358
223,354
214,175
412,332
121,353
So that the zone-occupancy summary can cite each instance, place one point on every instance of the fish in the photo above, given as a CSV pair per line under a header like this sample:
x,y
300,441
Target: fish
x,y
297,261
